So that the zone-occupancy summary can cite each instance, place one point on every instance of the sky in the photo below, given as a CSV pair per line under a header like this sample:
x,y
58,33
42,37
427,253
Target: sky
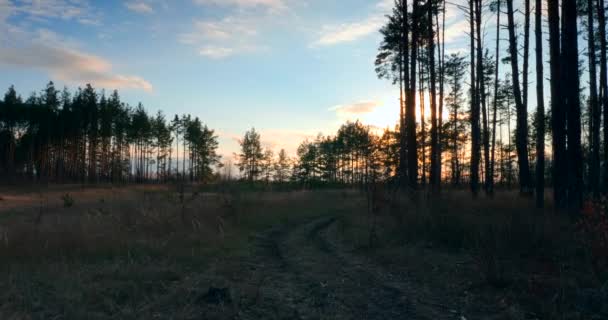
x,y
289,68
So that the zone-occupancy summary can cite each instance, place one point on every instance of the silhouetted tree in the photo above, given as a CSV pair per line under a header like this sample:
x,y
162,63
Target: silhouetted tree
x,y
251,155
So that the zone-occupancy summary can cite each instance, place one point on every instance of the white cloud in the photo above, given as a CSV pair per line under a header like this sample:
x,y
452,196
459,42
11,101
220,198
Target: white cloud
x,y
271,4
139,7
216,52
237,32
347,32
77,10
357,108
6,10
47,52
336,33
373,113
386,5
223,38
229,29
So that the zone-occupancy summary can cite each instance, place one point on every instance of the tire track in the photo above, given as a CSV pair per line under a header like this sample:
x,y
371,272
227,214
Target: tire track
x,y
304,272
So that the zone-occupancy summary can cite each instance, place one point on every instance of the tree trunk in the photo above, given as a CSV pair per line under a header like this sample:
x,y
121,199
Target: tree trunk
x,y
412,147
405,84
594,137
481,96
601,14
475,130
558,119
570,96
540,108
441,54
434,174
495,107
521,129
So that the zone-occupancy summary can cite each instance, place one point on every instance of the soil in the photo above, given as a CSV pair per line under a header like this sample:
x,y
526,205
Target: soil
x,y
306,272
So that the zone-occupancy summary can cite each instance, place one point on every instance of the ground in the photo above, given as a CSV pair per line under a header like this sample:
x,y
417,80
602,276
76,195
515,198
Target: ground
x,y
156,252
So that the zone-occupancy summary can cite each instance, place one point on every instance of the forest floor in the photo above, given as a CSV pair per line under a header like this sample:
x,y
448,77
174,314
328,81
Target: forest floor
x,y
155,253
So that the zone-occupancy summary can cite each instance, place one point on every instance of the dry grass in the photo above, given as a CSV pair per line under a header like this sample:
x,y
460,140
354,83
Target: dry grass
x,y
152,252
134,253
496,252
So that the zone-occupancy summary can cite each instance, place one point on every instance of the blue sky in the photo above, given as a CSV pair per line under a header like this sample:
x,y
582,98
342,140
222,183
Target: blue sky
x,y
290,68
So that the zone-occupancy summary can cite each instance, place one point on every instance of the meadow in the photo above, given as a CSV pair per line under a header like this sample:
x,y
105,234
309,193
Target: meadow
x,y
233,251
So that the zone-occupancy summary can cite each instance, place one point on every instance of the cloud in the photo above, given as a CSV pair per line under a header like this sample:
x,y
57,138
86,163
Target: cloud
x,y
357,108
456,28
77,10
216,52
332,34
270,4
236,31
373,113
139,7
347,32
49,53
223,38
6,10
386,5
228,29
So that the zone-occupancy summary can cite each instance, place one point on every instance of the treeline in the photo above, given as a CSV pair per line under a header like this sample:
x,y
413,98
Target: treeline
x,y
354,156
489,133
358,154
88,137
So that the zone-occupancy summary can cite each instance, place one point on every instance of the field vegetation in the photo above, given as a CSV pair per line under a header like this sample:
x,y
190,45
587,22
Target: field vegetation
x,y
185,252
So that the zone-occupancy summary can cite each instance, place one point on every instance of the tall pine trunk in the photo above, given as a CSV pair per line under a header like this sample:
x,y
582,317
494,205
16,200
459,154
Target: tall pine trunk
x,y
481,96
495,106
434,174
405,97
441,53
570,96
521,128
558,118
540,108
475,130
412,148
594,137
601,17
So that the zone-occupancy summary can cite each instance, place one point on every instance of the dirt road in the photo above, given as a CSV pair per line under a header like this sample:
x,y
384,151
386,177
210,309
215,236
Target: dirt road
x,y
306,272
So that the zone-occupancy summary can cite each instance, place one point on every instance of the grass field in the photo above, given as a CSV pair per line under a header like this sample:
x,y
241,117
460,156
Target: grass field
x,y
160,252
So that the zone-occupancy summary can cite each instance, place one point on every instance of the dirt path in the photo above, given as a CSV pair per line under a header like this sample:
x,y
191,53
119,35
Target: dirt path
x,y
306,272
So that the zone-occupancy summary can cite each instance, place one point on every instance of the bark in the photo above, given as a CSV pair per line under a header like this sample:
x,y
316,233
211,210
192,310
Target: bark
x,y
404,73
412,147
441,54
594,137
481,96
570,95
495,107
434,174
526,57
558,119
603,96
540,109
521,129
475,131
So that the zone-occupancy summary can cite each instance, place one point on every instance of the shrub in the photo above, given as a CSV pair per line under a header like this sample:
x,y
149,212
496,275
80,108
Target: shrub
x,y
68,200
